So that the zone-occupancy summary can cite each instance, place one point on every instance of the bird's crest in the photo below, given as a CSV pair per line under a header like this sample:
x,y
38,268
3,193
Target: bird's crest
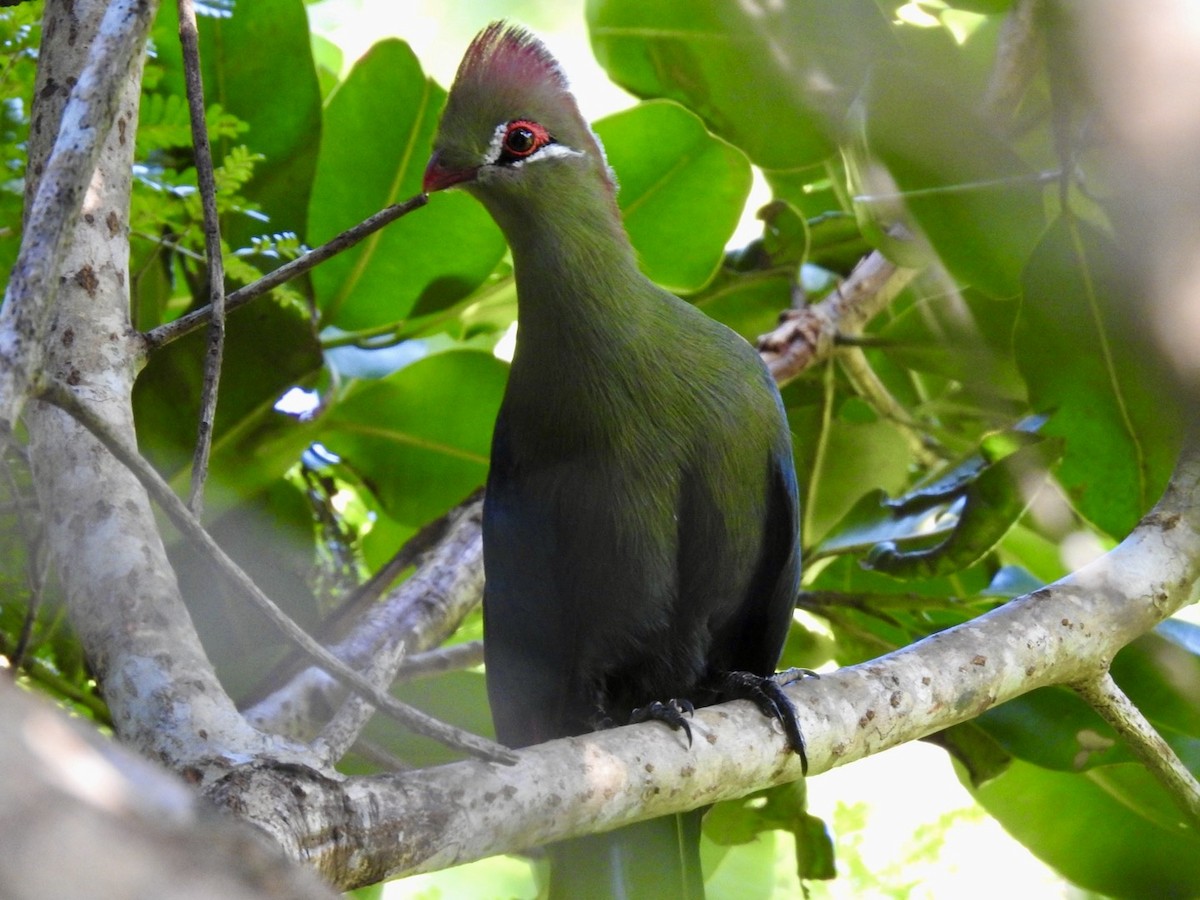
x,y
509,55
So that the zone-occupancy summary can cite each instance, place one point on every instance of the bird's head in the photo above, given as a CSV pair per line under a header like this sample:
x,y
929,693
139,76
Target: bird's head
x,y
511,128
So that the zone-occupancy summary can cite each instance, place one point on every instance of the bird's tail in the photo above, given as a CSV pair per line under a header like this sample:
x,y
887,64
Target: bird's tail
x,y
658,859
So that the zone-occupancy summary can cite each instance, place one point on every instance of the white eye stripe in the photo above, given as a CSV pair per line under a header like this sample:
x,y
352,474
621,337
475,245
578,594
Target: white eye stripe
x,y
496,147
548,151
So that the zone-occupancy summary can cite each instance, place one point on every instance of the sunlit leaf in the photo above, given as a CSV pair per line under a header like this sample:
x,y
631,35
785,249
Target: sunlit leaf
x,y
682,191
379,128
1118,422
397,435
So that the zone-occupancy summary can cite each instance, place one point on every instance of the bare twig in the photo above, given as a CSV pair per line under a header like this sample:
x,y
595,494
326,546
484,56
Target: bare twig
x,y
171,331
1106,697
443,659
869,386
181,517
423,614
806,336
86,121
189,39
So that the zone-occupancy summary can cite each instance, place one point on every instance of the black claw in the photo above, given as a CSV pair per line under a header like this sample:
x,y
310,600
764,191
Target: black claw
x,y
670,713
766,692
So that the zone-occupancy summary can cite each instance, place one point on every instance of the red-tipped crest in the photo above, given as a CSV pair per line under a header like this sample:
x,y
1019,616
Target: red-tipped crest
x,y
511,55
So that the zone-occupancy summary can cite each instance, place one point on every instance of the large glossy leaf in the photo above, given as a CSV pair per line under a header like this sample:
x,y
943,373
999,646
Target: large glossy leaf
x,y
422,436
949,525
1082,826
748,302
257,64
840,459
379,127
959,335
1076,356
682,191
766,77
979,204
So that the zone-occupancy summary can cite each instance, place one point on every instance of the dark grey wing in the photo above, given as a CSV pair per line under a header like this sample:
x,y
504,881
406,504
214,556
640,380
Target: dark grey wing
x,y
526,658
756,640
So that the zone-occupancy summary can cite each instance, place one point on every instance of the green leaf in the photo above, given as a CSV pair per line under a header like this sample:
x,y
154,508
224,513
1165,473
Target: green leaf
x,y
379,127
421,437
681,191
980,754
243,56
766,77
253,445
963,336
837,463
1104,398
748,302
743,821
979,204
1081,827
951,523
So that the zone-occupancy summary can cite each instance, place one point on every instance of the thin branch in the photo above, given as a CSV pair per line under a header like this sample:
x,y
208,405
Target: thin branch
x,y
189,39
869,386
86,121
806,336
177,512
443,659
171,331
426,612
1106,697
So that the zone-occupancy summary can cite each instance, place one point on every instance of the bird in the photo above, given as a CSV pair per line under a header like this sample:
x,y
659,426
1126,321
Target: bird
x,y
640,526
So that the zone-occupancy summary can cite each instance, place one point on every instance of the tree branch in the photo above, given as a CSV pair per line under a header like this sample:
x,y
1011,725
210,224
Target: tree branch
x,y
73,801
182,519
432,818
806,336
86,121
1106,697
172,331
100,530
189,39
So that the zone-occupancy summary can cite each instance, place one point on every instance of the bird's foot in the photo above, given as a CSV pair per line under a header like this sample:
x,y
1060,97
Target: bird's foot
x,y
670,713
766,692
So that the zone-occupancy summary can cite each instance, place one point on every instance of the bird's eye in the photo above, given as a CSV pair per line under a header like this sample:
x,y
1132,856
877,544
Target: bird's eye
x,y
521,139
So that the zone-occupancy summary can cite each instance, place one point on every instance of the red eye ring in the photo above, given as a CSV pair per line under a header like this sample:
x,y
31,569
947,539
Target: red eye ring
x,y
522,138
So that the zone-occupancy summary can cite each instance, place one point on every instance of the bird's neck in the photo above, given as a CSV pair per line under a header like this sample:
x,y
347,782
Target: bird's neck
x,y
578,282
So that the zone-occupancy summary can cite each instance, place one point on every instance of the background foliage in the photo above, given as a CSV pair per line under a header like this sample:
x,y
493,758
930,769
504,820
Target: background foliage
x,y
1034,423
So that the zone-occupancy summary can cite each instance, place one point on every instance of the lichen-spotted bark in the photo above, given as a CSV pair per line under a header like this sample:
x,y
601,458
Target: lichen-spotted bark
x,y
123,599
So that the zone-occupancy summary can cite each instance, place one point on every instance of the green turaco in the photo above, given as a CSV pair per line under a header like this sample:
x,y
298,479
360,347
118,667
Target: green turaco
x,y
640,523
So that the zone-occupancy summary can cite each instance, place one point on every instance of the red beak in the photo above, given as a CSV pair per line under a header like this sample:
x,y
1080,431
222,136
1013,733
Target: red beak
x,y
439,176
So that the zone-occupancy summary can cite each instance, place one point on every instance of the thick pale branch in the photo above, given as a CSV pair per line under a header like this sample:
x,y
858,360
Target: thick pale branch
x,y
1064,634
63,183
83,817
